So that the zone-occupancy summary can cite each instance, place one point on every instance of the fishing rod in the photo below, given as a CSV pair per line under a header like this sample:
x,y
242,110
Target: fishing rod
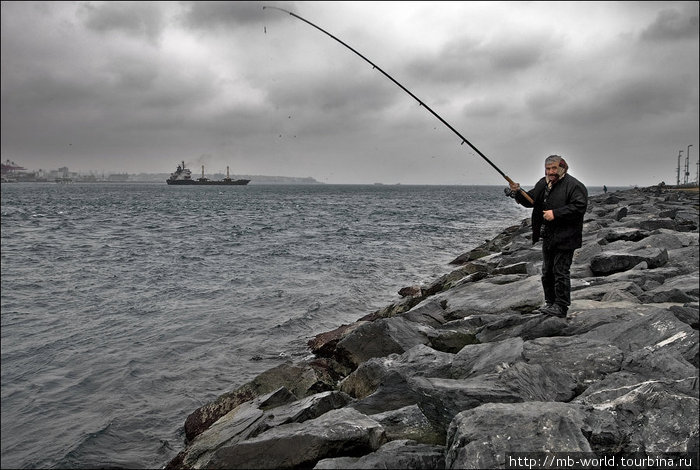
x,y
420,102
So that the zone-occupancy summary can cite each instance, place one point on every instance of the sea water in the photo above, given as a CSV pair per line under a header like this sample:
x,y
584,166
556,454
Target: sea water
x,y
127,306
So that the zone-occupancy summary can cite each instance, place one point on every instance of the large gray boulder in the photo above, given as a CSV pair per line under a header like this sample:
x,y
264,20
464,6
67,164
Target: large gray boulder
x,y
609,262
484,436
656,329
587,360
419,360
682,289
490,297
597,292
411,423
442,399
301,379
688,314
640,275
487,358
394,391
644,366
647,417
343,432
379,338
631,234
523,326
428,313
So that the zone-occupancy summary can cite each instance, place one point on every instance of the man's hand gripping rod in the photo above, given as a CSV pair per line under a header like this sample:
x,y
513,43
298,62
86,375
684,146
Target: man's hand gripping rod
x,y
464,140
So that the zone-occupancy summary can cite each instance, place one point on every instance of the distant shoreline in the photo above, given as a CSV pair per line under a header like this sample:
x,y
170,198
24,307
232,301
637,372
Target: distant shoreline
x,y
292,180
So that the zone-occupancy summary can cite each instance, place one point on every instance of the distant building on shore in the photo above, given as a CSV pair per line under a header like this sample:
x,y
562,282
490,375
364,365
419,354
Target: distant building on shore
x,y
13,173
10,170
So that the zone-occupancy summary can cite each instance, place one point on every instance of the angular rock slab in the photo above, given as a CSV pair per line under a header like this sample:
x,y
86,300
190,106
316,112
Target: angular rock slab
x,y
324,344
487,297
343,432
682,289
688,314
626,234
598,292
524,326
255,417
587,360
240,423
442,399
451,340
428,313
481,437
619,384
686,259
419,360
478,359
300,379
647,418
609,262
655,329
394,392
378,339
409,422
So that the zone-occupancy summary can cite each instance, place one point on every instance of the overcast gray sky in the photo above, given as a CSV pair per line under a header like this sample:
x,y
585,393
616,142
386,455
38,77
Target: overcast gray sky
x,y
139,86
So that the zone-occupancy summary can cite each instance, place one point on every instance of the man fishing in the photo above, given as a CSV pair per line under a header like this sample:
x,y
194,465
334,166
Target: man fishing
x,y
559,202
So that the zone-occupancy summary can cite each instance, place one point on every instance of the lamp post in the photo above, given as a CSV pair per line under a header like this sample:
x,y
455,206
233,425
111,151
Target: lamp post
x,y
678,169
687,163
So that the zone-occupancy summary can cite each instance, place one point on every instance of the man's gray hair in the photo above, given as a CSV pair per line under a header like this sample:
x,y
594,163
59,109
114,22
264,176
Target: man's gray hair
x,y
557,159
553,159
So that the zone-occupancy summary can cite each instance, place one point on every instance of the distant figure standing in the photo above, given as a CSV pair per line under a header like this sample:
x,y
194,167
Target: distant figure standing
x,y
605,189
560,202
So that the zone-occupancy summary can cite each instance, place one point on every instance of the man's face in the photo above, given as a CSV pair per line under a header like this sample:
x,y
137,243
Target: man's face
x,y
551,171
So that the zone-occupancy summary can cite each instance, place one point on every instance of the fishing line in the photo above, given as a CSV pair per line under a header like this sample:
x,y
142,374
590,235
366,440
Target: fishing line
x,y
420,102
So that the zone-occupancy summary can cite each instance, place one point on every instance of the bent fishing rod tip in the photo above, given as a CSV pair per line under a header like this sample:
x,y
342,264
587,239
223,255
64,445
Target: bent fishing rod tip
x,y
277,8
423,105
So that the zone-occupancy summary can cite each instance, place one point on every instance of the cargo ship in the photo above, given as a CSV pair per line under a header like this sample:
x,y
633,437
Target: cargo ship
x,y
183,176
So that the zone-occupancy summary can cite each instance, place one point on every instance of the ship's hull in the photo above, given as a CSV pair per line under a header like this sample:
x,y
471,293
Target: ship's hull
x,y
208,183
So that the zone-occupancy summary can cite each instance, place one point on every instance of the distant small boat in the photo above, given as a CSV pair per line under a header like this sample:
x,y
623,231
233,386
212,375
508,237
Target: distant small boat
x,y
183,176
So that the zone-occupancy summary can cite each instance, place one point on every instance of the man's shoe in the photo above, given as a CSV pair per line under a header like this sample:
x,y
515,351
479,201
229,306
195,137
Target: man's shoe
x,y
554,310
543,307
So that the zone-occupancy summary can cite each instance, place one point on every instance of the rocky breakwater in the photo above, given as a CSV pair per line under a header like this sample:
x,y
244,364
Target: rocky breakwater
x,y
461,373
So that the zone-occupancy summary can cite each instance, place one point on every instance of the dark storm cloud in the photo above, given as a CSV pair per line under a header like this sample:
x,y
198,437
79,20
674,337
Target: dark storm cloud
x,y
626,100
468,59
227,14
336,92
640,96
142,19
674,24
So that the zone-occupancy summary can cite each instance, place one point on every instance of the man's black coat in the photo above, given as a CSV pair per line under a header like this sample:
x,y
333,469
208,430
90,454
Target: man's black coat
x,y
568,199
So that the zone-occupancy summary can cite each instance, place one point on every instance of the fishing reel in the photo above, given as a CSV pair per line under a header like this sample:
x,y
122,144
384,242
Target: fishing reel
x,y
509,192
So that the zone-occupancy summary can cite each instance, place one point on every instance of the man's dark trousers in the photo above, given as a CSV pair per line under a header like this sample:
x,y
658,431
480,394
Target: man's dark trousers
x,y
556,278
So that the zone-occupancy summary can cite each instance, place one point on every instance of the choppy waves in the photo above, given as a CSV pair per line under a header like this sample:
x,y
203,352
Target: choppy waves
x,y
125,307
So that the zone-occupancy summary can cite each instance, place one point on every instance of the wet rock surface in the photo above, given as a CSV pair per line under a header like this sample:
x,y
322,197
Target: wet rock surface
x,y
463,371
